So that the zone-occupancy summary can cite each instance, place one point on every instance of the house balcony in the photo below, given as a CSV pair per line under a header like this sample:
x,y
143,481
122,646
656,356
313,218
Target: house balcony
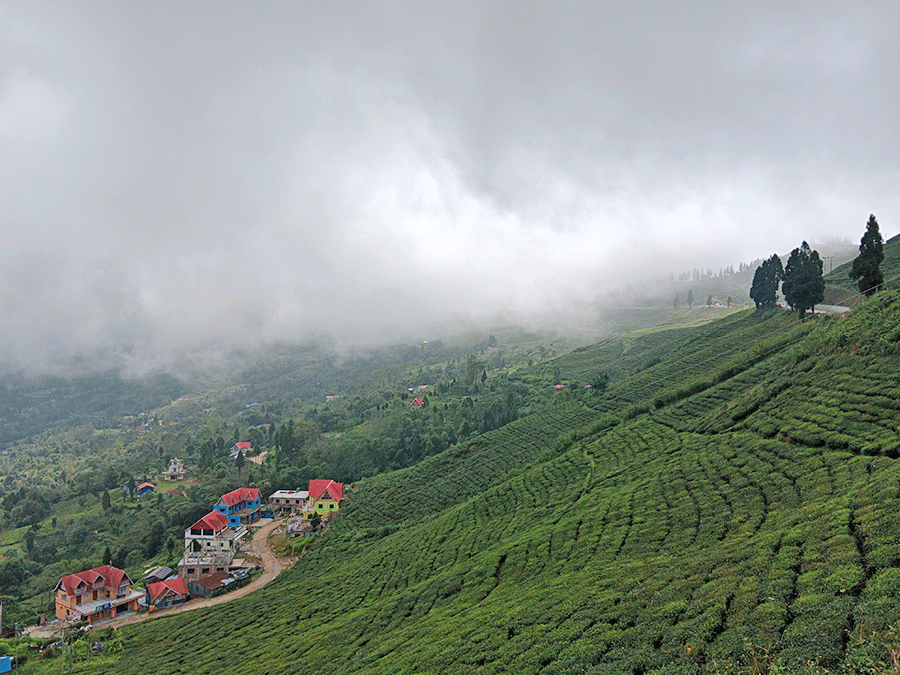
x,y
104,605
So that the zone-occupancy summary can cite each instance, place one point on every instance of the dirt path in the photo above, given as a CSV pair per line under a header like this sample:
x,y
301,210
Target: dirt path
x,y
272,567
271,564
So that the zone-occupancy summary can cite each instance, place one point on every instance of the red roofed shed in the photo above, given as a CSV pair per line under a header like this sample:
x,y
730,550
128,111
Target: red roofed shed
x,y
167,593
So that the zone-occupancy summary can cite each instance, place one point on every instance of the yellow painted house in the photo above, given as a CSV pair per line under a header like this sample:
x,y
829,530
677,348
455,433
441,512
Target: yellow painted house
x,y
326,496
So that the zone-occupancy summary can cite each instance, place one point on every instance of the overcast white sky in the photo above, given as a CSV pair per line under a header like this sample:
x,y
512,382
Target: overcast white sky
x,y
179,170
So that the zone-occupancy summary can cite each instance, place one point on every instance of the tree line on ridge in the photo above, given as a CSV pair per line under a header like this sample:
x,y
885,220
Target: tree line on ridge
x,y
802,280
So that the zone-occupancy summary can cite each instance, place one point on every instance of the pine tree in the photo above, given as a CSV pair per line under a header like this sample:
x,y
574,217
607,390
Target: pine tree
x,y
866,266
206,454
803,285
764,290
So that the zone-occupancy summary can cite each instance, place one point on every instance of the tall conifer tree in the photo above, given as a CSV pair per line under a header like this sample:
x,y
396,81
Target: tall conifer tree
x,y
866,267
804,285
764,290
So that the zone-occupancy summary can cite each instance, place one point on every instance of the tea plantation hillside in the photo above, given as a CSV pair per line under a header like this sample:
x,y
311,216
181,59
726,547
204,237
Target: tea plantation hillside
x,y
731,504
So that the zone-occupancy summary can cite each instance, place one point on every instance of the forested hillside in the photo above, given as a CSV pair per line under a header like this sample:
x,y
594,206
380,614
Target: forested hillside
x,y
30,406
730,504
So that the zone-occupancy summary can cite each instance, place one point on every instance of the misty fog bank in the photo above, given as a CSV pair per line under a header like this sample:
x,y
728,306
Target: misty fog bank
x,y
216,362
174,175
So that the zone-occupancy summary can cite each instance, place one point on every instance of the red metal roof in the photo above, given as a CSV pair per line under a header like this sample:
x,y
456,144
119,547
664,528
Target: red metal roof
x,y
176,585
240,495
318,486
214,520
111,577
243,445
417,403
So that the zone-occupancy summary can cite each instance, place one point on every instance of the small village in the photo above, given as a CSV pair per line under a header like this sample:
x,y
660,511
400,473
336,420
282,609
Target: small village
x,y
210,563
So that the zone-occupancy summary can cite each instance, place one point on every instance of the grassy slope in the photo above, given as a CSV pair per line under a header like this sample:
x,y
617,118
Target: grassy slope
x,y
737,497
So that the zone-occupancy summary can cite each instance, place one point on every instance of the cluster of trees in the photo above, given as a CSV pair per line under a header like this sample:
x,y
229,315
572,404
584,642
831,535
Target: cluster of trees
x,y
804,284
699,275
25,506
764,290
802,280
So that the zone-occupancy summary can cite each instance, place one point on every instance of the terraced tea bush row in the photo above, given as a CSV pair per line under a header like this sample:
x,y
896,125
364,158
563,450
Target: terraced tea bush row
x,y
446,479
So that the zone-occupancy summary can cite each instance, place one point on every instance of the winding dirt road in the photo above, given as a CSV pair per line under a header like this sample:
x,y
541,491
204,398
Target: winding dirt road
x,y
271,564
272,567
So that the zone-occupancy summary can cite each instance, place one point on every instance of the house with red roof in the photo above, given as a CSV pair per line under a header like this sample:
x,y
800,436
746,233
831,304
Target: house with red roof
x,y
417,403
99,593
325,496
241,506
212,533
211,542
167,593
243,447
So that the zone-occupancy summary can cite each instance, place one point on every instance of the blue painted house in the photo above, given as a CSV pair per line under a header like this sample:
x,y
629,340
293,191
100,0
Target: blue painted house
x,y
167,593
144,489
240,506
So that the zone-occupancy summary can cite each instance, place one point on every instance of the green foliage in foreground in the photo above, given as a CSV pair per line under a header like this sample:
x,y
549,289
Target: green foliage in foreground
x,y
733,506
